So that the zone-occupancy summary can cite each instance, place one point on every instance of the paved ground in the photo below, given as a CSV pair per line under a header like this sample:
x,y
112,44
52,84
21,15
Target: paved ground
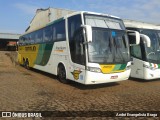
x,y
32,90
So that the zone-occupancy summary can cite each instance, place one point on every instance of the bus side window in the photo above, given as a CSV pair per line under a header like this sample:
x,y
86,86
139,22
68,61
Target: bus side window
x,y
21,41
39,36
61,34
79,47
26,40
48,34
31,38
159,38
54,33
76,39
136,51
59,31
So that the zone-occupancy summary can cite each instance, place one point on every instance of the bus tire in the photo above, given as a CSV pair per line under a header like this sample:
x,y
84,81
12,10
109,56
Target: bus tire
x,y
62,74
24,63
27,64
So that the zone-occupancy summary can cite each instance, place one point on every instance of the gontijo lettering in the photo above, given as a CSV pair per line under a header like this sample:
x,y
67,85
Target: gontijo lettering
x,y
30,48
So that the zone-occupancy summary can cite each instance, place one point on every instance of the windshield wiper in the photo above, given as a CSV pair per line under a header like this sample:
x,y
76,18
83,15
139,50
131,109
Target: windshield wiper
x,y
120,55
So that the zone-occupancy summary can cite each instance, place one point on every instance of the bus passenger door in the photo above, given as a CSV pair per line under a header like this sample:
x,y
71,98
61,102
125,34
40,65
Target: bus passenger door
x,y
78,56
77,49
137,70
137,63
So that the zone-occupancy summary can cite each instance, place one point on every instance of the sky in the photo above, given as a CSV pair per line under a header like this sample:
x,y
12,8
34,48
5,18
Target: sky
x,y
15,15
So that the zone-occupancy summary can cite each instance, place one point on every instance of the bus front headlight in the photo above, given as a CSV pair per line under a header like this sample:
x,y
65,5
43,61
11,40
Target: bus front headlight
x,y
146,66
94,69
128,67
149,67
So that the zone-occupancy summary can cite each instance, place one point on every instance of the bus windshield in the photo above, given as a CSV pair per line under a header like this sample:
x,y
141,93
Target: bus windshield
x,y
108,46
109,40
153,52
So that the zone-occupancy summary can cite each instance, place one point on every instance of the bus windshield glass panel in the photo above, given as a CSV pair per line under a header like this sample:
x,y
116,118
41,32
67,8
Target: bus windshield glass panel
x,y
109,40
153,52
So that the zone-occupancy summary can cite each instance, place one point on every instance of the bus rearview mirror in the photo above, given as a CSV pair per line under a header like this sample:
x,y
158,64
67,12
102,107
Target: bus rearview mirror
x,y
134,37
88,30
146,39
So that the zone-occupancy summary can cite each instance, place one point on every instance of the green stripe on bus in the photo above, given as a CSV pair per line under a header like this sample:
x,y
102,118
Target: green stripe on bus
x,y
46,54
123,66
40,54
55,21
158,65
117,67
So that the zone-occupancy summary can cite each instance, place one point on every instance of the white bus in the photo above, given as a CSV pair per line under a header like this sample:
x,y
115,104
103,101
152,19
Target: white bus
x,y
86,47
146,55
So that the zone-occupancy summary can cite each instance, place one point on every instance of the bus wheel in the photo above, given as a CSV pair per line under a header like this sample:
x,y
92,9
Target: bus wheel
x,y
24,63
27,65
62,74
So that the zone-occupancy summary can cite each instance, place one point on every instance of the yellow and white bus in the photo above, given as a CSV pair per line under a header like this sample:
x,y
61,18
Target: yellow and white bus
x,y
86,47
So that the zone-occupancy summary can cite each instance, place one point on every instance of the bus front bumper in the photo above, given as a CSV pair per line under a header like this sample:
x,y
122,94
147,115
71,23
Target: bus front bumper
x,y
151,74
99,78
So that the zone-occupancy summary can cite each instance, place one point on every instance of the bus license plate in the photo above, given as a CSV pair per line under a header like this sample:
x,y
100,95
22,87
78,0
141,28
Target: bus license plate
x,y
114,77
